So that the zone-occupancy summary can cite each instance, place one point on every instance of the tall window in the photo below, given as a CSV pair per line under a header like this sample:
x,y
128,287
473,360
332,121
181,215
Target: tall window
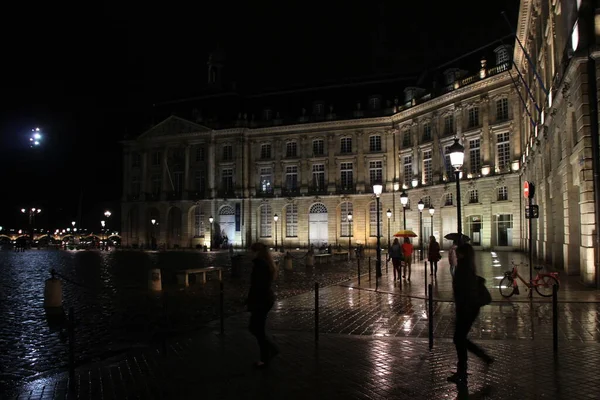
x,y
227,153
198,222
426,132
504,227
449,124
345,208
373,219
447,163
375,143
156,158
291,220
291,177
375,172
178,181
475,155
406,141
266,180
291,149
473,117
199,182
346,176
346,145
427,168
473,196
318,171
200,153
407,170
227,180
448,199
426,201
502,109
156,183
265,220
265,151
502,140
502,193
135,185
318,147
135,159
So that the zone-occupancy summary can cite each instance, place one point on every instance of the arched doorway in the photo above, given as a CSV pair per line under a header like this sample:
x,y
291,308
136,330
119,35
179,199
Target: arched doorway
x,y
174,227
317,225
227,223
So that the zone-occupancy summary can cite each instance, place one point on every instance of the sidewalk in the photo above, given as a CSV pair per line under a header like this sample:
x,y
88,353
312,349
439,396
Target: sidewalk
x,y
208,366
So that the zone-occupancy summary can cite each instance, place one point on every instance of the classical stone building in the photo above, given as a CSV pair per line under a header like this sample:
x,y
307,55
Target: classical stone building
x,y
560,129
314,168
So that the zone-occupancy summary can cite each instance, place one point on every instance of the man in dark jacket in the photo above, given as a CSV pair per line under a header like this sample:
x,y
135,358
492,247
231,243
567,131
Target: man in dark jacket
x,y
464,286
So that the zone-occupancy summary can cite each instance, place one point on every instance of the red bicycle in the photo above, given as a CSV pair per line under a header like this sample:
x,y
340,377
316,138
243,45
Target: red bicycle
x,y
542,282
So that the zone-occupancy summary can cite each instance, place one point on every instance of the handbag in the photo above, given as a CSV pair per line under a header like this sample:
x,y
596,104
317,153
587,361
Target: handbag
x,y
482,294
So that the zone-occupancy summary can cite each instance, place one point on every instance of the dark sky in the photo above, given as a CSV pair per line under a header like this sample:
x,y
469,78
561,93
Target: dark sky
x,y
88,74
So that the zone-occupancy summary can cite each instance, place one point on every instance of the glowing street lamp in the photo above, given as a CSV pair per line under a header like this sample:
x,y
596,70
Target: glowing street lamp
x,y
377,190
349,234
35,138
275,218
404,202
31,213
210,220
457,158
389,215
421,206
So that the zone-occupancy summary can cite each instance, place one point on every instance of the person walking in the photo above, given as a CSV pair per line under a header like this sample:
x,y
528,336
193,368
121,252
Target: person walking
x,y
396,256
260,301
452,260
433,255
464,286
407,251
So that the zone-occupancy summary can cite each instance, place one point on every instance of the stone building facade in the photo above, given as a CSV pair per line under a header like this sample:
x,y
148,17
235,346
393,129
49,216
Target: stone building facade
x,y
559,129
312,174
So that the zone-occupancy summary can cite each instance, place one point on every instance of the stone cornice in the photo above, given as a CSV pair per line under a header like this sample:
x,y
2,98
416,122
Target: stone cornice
x,y
522,31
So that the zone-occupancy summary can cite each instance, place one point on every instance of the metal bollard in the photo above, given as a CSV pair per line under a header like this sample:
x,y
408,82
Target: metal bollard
x,y
430,304
221,307
387,261
369,269
555,318
358,267
71,348
316,312
425,269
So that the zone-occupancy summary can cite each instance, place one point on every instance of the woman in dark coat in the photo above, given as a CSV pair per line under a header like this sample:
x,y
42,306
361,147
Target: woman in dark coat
x,y
260,301
433,255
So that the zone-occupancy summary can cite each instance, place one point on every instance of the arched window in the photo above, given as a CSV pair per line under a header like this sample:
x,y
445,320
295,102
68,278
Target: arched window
x,y
373,219
345,208
198,222
291,220
265,220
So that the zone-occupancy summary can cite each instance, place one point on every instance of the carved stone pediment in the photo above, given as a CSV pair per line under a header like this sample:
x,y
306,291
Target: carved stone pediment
x,y
173,126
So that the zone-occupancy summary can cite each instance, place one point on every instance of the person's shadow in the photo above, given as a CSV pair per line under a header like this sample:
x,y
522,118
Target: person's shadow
x,y
462,392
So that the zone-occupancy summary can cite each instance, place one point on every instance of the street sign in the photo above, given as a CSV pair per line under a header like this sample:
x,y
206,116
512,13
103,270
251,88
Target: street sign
x,y
528,190
535,212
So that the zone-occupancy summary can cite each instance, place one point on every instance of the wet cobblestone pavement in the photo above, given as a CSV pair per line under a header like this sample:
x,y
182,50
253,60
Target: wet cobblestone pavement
x,y
113,308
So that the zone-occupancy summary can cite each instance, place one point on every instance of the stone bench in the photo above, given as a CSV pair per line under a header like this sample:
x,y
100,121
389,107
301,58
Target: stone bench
x,y
319,258
183,275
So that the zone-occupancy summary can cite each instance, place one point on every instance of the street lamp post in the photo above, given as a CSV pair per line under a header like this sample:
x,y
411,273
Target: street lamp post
x,y
421,206
396,187
152,239
349,235
404,201
389,215
32,213
275,218
378,189
457,157
210,220
103,223
431,212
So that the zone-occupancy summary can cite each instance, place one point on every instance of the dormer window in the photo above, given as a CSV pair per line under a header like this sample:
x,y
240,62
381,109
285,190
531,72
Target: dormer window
x,y
375,103
319,108
267,114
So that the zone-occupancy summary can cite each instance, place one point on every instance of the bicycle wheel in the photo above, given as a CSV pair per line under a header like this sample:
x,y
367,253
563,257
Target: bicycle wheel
x,y
544,285
506,287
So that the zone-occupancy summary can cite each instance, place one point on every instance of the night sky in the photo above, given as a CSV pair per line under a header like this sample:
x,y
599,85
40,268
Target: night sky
x,y
87,75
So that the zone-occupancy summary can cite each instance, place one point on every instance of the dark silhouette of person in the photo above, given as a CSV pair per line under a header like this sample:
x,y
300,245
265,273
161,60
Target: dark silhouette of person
x,y
464,286
260,301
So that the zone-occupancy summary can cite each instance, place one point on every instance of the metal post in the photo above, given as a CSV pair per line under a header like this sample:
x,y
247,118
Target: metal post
x,y
430,304
71,347
316,312
404,215
555,317
358,267
378,253
458,216
221,307
369,269
530,221
421,235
